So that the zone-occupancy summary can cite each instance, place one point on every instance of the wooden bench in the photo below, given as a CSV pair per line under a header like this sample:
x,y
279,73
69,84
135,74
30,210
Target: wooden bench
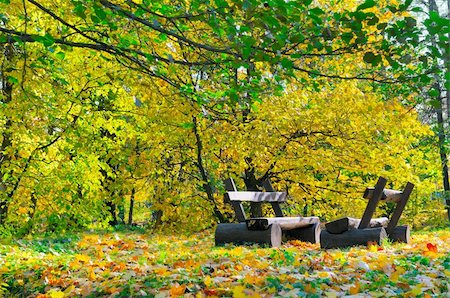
x,y
269,230
348,231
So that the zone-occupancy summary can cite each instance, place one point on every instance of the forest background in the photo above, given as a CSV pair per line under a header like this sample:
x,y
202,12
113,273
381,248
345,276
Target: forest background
x,y
109,105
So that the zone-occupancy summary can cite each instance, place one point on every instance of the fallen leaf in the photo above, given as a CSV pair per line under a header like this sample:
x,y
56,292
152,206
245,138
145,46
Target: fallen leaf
x,y
431,247
177,290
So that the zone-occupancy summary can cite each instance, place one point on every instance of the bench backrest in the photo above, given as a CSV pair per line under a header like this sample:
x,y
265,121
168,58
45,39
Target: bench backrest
x,y
377,193
257,196
237,197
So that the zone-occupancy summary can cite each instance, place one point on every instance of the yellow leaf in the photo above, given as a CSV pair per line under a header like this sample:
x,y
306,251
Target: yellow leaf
x,y
82,258
417,290
238,292
56,294
22,210
69,290
208,281
92,276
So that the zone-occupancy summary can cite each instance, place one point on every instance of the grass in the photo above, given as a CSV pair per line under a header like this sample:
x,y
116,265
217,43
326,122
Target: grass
x,y
136,263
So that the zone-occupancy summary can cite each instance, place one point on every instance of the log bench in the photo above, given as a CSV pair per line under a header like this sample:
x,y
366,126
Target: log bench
x,y
349,231
264,230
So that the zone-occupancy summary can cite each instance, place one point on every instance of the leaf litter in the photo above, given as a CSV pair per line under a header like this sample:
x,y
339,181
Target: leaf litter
x,y
131,264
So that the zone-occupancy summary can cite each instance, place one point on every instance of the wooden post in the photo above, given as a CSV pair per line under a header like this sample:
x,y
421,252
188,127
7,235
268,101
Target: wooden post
x,y
399,208
238,233
237,206
275,205
372,204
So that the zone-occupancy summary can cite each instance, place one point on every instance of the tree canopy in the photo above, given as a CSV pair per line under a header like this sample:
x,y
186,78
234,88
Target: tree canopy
x,y
107,103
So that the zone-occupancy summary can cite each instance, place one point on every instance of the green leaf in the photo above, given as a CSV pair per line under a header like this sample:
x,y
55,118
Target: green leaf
x,y
286,63
381,26
13,80
187,125
410,22
60,55
79,10
373,21
316,11
100,13
369,57
5,177
367,4
433,92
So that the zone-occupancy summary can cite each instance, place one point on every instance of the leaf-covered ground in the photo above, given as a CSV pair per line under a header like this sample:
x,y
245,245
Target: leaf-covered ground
x,y
132,264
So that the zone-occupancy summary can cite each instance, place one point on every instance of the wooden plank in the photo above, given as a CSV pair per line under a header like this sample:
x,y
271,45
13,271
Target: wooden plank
x,y
256,196
388,195
372,204
352,237
347,223
399,208
286,223
239,234
275,205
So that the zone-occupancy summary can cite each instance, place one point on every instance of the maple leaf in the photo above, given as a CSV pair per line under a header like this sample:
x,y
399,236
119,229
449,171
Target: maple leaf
x,y
432,248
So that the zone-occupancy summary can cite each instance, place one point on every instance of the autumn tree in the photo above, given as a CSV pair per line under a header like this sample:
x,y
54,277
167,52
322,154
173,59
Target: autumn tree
x,y
159,101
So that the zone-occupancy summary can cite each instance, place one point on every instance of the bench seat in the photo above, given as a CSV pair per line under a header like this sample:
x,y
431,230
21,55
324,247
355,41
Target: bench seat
x,y
286,223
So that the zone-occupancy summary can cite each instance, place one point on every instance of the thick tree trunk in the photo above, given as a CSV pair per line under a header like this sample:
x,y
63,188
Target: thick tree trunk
x,y
310,233
352,238
432,6
400,234
112,210
348,223
251,184
239,234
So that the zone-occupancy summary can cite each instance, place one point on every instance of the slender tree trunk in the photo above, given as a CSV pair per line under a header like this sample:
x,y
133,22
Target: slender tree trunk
x,y
7,89
444,159
204,174
130,212
447,127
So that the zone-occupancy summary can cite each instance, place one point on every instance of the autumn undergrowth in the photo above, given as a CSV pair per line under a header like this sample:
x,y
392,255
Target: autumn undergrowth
x,y
137,263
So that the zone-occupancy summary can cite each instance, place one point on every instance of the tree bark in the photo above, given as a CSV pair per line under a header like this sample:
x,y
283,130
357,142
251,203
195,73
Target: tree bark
x,y
432,6
251,184
204,174
348,223
130,212
352,238
310,233
6,92
238,233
